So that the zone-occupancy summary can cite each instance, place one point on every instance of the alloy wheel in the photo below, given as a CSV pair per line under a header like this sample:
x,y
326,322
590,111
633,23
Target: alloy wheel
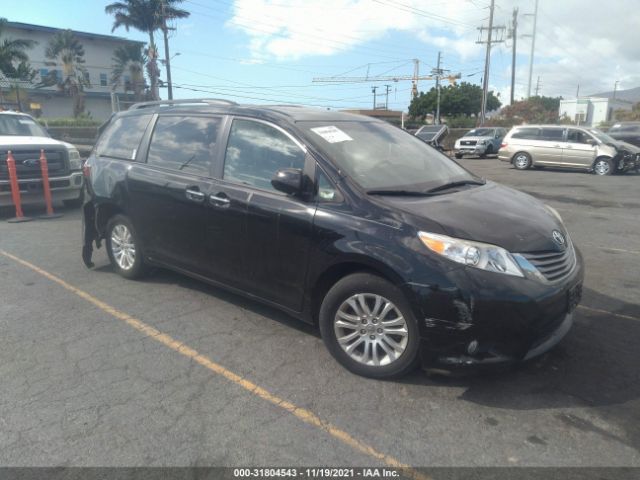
x,y
122,247
522,161
602,167
371,329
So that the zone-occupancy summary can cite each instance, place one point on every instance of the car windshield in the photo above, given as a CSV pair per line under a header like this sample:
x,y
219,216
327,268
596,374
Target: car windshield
x,y
379,156
600,135
480,132
20,125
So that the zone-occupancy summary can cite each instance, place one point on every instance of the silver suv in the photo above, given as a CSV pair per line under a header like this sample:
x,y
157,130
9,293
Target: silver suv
x,y
583,148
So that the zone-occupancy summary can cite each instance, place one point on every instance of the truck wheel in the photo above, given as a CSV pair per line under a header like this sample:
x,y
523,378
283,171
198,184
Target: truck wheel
x,y
458,156
603,166
369,328
123,247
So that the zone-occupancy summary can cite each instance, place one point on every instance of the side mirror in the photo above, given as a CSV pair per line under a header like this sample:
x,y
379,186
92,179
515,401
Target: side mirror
x,y
288,180
591,141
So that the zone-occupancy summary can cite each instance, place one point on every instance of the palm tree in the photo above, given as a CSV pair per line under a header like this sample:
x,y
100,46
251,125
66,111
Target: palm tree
x,y
146,16
65,50
130,58
13,53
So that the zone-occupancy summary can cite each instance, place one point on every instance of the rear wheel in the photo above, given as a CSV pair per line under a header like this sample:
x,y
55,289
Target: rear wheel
x,y
368,327
603,166
123,247
522,160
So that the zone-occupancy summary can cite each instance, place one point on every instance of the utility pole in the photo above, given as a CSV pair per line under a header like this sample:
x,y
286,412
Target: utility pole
x,y
373,90
414,81
167,57
514,38
386,102
615,88
487,60
578,92
538,86
533,47
438,72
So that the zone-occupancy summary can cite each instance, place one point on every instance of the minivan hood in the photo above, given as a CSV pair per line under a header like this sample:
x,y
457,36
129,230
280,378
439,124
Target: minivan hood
x,y
491,213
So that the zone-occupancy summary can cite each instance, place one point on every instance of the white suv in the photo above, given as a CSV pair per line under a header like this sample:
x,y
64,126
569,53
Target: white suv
x,y
21,134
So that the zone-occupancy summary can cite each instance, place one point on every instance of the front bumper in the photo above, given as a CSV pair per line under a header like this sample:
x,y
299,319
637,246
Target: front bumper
x,y
470,149
62,188
485,318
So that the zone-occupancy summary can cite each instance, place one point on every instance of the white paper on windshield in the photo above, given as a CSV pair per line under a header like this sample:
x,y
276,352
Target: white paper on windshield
x,y
332,134
26,122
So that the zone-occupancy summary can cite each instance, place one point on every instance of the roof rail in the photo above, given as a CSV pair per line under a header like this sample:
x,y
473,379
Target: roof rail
x,y
189,101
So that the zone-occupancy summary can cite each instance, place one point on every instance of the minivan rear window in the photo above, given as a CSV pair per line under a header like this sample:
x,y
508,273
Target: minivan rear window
x,y
552,134
122,137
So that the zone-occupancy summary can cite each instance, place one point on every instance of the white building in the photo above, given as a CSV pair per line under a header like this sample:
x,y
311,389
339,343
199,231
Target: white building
x,y
49,101
592,111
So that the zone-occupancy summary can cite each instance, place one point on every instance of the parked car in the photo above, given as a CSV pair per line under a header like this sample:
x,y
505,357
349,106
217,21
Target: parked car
x,y
21,134
480,142
628,132
433,135
583,148
398,253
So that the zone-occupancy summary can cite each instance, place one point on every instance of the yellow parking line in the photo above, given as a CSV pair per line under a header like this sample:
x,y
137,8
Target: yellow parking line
x,y
303,414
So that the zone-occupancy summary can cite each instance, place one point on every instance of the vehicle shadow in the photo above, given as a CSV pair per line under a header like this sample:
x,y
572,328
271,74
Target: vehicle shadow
x,y
597,365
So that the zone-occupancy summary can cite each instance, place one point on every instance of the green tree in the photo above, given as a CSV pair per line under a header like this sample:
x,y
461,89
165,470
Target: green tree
x,y
146,16
629,115
533,110
14,62
65,50
463,99
131,59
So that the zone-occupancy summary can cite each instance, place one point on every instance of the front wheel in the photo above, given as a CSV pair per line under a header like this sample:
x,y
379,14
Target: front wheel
x,y
603,166
458,156
522,161
368,327
123,247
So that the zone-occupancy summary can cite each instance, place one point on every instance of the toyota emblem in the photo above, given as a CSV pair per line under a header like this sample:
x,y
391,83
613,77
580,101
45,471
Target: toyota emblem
x,y
558,238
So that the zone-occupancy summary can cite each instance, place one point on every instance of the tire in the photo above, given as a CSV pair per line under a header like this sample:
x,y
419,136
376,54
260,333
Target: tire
x,y
130,264
522,161
75,202
373,342
489,150
603,166
458,156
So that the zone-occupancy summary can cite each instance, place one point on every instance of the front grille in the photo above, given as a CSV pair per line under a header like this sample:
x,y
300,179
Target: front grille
x,y
553,265
468,142
56,160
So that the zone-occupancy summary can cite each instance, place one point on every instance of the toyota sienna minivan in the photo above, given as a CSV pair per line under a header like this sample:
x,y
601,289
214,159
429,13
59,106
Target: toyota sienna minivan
x,y
399,255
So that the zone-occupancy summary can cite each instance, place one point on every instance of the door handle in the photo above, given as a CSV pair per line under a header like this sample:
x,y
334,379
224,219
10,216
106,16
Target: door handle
x,y
194,195
219,200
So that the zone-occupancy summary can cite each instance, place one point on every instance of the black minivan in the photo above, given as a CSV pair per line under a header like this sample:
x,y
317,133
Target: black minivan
x,y
399,254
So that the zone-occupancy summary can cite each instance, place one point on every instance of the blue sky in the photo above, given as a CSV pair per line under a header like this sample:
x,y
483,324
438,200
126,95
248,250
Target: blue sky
x,y
256,51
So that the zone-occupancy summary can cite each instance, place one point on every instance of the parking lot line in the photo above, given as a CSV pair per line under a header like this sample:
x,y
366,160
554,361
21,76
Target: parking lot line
x,y
591,309
303,414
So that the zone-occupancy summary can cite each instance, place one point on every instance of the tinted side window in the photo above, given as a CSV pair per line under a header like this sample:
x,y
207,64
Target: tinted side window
x,y
256,151
184,143
122,137
526,133
552,134
327,192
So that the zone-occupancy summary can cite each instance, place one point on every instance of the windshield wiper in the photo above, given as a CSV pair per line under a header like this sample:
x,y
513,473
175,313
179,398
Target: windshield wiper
x,y
399,193
461,183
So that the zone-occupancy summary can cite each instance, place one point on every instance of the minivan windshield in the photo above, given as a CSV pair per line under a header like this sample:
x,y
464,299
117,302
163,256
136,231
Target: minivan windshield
x,y
600,135
379,156
20,125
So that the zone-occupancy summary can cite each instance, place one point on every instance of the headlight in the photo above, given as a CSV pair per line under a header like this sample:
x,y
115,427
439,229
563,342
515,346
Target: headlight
x,y
473,254
554,212
75,163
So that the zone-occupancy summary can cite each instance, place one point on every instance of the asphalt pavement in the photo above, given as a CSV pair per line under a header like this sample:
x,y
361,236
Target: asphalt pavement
x,y
97,370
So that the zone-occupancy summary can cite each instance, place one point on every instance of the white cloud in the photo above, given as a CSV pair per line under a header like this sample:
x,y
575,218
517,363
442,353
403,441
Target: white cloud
x,y
579,41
